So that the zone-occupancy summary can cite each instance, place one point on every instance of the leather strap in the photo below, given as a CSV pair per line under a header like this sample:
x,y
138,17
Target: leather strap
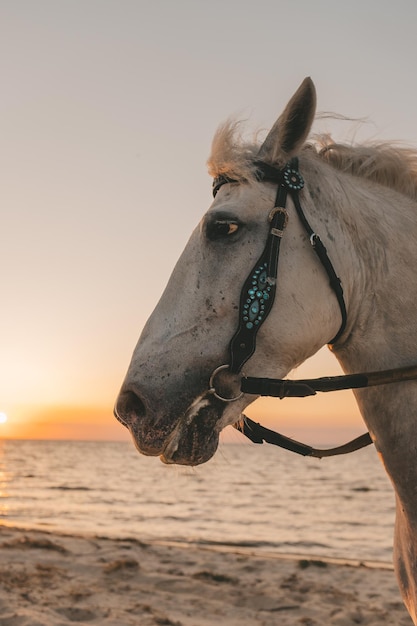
x,y
320,249
259,434
258,292
308,387
259,289
283,388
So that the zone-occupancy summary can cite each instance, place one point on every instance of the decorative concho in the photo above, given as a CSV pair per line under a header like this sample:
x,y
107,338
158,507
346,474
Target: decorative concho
x,y
257,296
293,179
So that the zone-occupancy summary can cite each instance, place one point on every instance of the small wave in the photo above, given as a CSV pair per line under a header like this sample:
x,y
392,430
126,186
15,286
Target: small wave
x,y
70,488
207,543
244,543
305,545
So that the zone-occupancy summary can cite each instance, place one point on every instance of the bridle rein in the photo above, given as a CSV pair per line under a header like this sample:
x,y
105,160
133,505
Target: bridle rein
x,y
256,301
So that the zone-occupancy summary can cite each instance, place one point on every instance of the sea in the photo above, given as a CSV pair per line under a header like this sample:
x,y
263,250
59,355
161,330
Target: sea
x,y
248,496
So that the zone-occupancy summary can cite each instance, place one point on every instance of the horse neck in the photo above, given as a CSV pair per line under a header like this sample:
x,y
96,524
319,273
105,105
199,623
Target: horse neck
x,y
376,259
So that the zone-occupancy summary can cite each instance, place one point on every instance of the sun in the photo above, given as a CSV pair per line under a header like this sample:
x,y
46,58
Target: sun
x,y
3,418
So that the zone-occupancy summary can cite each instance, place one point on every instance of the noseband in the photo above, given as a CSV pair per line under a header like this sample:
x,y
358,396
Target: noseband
x,y
256,301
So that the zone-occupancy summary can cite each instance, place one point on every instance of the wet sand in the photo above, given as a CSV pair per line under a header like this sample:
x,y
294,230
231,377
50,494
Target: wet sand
x,y
51,579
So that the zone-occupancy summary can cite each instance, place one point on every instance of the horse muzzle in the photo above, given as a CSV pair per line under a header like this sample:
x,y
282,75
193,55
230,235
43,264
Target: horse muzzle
x,y
187,437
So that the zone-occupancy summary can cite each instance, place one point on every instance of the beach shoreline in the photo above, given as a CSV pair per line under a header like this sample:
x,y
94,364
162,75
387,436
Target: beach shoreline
x,y
55,579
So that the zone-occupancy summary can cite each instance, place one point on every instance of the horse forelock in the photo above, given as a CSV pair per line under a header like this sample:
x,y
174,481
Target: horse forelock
x,y
231,155
388,164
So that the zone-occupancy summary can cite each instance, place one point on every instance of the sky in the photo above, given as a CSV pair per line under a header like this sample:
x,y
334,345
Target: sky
x,y
107,112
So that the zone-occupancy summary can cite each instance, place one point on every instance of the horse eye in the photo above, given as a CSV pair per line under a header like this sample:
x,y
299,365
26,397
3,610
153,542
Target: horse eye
x,y
221,228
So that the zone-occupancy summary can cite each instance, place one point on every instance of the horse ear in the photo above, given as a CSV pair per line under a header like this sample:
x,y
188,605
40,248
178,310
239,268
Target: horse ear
x,y
291,129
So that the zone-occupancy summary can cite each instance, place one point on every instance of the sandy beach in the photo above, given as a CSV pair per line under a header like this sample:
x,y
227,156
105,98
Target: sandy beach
x,y
52,579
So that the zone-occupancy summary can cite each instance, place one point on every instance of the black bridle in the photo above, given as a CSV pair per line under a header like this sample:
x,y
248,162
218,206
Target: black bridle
x,y
256,300
258,291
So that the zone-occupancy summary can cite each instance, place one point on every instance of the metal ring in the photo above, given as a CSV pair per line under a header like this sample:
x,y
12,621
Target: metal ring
x,y
313,239
212,388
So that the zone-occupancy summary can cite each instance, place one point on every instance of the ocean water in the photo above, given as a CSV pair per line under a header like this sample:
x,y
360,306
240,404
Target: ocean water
x,y
258,497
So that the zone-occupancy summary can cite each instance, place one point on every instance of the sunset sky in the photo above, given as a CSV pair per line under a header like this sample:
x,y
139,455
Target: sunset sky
x,y
107,112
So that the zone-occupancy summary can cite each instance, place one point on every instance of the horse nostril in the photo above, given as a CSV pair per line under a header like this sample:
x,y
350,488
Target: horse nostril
x,y
129,407
134,404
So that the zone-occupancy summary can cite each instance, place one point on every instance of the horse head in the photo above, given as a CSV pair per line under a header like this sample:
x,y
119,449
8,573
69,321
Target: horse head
x,y
168,400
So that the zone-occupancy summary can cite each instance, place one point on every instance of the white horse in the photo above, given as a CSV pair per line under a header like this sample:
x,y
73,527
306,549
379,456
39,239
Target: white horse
x,y
362,202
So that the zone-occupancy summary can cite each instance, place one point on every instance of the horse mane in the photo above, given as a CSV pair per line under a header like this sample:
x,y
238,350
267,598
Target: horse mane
x,y
388,164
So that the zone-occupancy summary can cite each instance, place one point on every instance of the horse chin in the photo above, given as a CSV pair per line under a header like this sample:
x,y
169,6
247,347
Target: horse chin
x,y
196,436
